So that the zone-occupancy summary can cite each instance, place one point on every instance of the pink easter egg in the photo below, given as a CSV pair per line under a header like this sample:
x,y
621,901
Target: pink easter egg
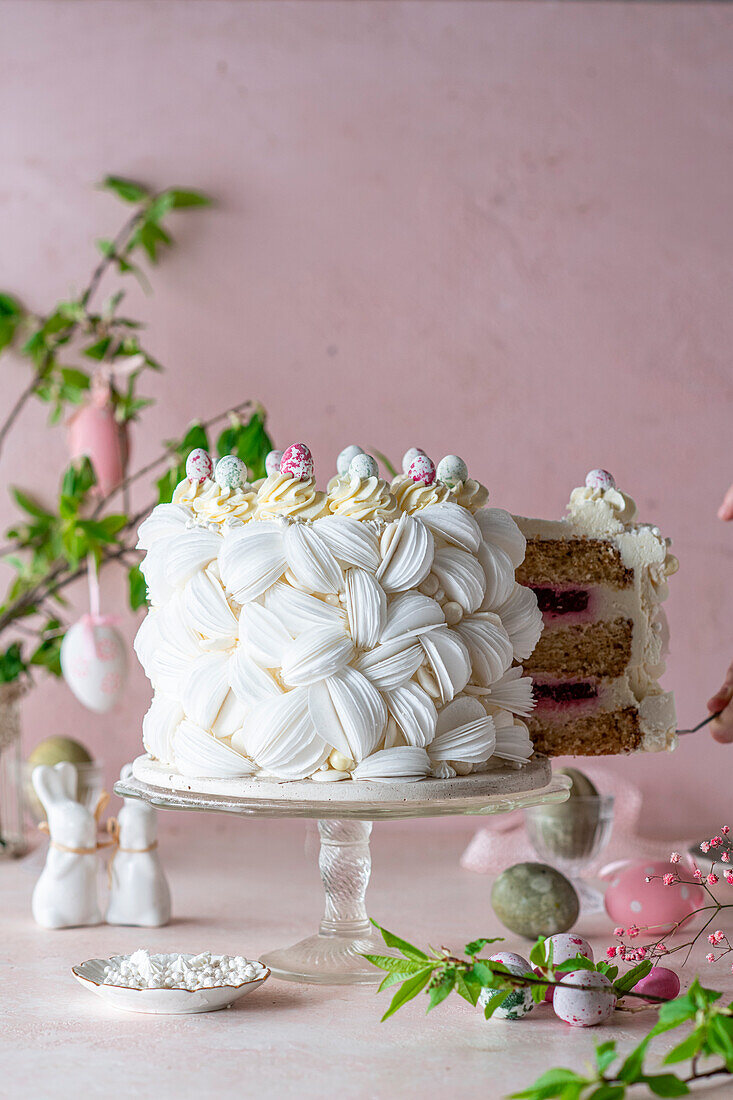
x,y
588,1006
599,479
94,663
630,899
272,462
660,983
199,465
93,432
566,945
297,462
422,469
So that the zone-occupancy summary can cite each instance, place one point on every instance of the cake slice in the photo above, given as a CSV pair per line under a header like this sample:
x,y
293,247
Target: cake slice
x,y
600,579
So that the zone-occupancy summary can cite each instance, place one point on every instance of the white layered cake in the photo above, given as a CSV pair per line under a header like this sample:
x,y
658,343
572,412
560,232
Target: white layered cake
x,y
371,631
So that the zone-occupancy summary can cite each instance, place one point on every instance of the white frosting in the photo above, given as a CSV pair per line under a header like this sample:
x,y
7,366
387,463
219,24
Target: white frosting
x,y
295,635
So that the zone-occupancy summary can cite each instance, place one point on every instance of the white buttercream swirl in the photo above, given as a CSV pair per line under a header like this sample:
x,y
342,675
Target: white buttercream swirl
x,y
600,511
361,498
470,494
411,495
282,495
210,503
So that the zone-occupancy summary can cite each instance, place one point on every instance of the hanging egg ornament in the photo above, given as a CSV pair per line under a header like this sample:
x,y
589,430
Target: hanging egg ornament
x,y
363,466
344,460
422,469
599,479
297,462
94,663
630,899
93,432
230,472
199,465
272,462
452,470
409,457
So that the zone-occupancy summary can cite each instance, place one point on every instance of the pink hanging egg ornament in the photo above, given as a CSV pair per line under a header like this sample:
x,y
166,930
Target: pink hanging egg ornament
x,y
94,662
631,900
422,469
297,462
93,432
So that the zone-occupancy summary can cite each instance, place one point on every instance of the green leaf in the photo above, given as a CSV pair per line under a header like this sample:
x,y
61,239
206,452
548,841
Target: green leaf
x,y
441,989
469,986
475,946
628,980
666,1084
74,377
541,953
702,997
182,198
98,349
125,189
495,1002
550,1084
32,507
10,306
404,967
380,457
608,1092
605,1054
408,990
578,963
539,992
720,1037
408,949
673,1013
688,1048
632,1064
11,663
48,655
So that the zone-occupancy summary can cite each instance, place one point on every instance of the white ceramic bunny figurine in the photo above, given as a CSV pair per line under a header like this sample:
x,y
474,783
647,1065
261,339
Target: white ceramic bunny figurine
x,y
66,893
139,893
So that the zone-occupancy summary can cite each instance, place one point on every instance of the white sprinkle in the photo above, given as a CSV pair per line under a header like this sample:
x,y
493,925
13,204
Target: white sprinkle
x,y
141,970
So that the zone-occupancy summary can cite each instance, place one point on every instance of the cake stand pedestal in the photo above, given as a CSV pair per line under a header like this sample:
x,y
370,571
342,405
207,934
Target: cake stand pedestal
x,y
345,813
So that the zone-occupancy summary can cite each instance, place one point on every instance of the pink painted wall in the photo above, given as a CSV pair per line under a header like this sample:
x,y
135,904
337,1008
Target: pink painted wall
x,y
497,228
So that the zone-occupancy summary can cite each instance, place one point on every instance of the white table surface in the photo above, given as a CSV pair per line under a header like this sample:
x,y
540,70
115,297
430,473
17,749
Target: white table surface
x,y
242,887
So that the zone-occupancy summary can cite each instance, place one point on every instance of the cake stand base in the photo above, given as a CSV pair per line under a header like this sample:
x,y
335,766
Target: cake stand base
x,y
329,960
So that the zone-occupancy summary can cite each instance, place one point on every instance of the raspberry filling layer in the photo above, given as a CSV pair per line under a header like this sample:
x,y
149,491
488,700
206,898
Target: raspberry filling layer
x,y
562,601
559,695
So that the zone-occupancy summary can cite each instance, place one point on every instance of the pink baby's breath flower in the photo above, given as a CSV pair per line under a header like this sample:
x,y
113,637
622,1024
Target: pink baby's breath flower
x,y
705,846
710,958
725,830
618,932
697,874
716,841
674,857
729,878
668,879
661,949
641,953
725,857
711,938
632,931
719,936
712,879
610,952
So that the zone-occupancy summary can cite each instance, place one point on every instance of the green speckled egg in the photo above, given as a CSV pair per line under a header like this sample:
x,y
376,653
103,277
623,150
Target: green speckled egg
x,y
533,900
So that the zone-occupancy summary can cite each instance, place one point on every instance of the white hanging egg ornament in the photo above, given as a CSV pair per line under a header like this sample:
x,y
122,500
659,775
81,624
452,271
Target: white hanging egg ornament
x,y
272,462
199,466
94,663
452,469
409,457
344,460
230,472
363,466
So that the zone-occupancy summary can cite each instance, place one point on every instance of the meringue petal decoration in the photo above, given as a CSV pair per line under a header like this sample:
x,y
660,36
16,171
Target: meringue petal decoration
x,y
348,712
165,521
251,558
280,736
460,576
452,524
249,681
159,725
489,647
407,549
403,763
317,653
230,717
310,559
207,609
263,636
200,756
298,610
499,529
391,664
513,692
188,552
205,687
351,542
464,734
366,607
410,614
152,568
449,661
177,647
414,712
147,641
522,620
498,574
513,742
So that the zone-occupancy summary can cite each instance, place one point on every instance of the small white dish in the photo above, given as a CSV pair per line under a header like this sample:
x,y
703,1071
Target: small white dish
x,y
160,1002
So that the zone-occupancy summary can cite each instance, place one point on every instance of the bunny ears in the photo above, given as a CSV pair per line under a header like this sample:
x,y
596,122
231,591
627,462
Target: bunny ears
x,y
55,784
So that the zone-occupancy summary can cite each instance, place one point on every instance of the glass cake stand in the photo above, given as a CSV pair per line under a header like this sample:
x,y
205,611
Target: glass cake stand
x,y
345,813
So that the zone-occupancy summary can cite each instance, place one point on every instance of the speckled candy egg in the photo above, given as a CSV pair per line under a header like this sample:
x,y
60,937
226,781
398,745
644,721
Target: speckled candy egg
x,y
588,1006
363,466
272,462
199,465
297,462
519,1002
344,460
452,469
599,479
534,899
409,457
660,984
230,472
566,945
422,469
630,899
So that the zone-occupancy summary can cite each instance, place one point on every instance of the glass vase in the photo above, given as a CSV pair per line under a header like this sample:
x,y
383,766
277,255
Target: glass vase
x,y
12,825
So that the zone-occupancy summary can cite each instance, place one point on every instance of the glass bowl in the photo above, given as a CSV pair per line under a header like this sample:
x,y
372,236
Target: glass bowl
x,y
570,835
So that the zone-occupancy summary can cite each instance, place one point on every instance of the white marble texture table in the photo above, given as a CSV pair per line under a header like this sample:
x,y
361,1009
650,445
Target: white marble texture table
x,y
242,887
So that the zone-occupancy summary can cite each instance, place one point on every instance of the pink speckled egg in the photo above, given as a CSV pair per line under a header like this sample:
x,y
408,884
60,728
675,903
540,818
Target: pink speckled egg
x,y
567,945
409,457
660,983
422,469
297,462
272,462
199,465
588,1006
630,899
599,479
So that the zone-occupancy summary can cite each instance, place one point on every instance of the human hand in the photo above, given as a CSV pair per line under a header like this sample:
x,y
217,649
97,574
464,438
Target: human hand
x,y
726,508
722,727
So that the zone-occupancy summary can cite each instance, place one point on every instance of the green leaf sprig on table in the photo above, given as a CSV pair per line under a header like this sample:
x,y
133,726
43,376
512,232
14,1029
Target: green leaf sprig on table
x,y
439,973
